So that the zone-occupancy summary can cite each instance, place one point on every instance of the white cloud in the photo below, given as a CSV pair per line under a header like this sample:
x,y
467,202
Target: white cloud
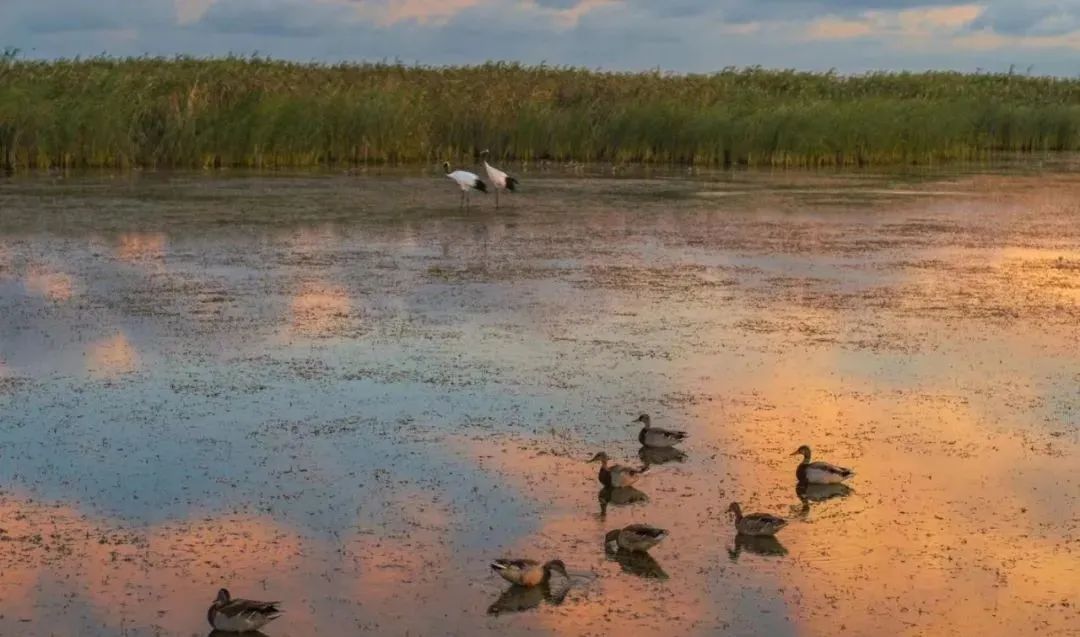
x,y
684,35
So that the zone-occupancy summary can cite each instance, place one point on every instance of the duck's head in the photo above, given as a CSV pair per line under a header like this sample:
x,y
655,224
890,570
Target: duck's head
x,y
485,152
643,419
223,596
446,166
555,566
735,509
804,451
599,457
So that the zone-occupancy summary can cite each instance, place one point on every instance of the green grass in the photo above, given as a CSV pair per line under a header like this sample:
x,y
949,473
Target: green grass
x,y
188,112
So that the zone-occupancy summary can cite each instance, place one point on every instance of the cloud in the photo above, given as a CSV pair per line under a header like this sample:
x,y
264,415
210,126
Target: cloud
x,y
188,11
62,16
1031,17
905,28
682,35
291,18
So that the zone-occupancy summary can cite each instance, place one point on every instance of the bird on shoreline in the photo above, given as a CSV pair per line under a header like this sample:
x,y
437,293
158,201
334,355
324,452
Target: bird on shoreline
x,y
655,437
240,615
465,180
499,179
616,475
819,472
756,524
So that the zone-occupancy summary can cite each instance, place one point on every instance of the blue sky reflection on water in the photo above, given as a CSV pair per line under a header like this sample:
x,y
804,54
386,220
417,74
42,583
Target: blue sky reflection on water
x,y
356,415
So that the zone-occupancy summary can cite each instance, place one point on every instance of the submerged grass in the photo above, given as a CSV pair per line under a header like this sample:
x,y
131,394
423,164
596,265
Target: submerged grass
x,y
188,112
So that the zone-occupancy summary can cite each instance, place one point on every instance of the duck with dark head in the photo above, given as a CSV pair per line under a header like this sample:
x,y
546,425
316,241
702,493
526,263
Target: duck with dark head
x,y
818,472
655,437
240,615
616,475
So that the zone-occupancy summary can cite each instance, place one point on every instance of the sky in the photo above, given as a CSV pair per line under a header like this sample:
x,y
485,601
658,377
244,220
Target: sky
x,y
1034,36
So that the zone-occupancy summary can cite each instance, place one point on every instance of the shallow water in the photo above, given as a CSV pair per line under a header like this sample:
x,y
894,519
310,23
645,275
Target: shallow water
x,y
345,393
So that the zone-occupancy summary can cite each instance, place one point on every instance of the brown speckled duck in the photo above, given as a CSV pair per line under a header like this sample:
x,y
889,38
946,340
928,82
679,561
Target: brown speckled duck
x,y
616,475
518,598
819,472
656,437
240,615
528,573
756,524
636,538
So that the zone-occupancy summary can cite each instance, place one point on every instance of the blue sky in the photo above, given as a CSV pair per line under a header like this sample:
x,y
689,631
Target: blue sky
x,y
678,35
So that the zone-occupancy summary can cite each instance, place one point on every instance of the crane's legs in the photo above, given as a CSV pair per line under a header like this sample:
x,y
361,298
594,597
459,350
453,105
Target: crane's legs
x,y
462,199
496,197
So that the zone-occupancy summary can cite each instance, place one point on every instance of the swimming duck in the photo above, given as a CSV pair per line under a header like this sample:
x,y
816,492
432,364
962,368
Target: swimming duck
x,y
636,538
819,472
528,573
240,615
656,437
756,524
518,598
616,475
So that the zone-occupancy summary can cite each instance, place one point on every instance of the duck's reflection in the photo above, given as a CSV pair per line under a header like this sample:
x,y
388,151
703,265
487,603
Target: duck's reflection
x,y
222,633
637,563
818,493
822,492
766,545
660,455
619,496
518,598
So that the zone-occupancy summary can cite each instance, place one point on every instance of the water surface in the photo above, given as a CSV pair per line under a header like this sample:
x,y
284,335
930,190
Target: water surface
x,y
343,392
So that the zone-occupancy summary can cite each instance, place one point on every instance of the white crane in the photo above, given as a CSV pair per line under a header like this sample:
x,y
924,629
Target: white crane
x,y
466,180
499,179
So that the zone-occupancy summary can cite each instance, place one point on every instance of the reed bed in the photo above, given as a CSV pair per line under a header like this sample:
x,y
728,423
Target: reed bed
x,y
190,112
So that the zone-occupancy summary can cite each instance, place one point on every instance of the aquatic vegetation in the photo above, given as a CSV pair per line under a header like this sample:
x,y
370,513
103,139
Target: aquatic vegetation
x,y
190,112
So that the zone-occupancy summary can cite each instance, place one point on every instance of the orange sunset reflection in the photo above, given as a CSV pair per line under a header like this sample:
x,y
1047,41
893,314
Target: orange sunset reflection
x,y
319,310
944,529
163,576
136,247
111,356
54,286
571,529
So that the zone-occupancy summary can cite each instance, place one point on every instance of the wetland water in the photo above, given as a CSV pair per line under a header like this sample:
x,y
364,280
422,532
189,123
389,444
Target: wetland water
x,y
344,393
